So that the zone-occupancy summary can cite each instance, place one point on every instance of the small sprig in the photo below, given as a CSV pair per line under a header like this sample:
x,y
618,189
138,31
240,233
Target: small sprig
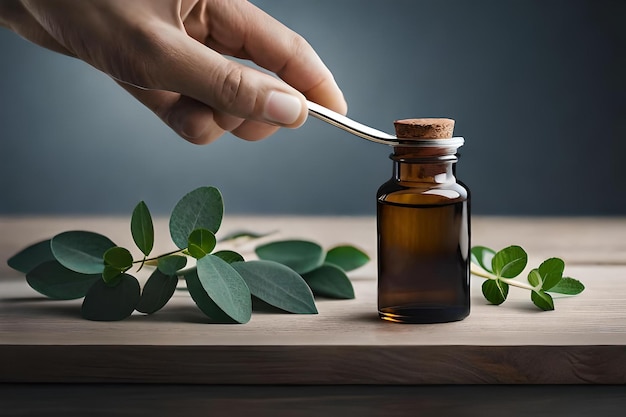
x,y
79,264
499,268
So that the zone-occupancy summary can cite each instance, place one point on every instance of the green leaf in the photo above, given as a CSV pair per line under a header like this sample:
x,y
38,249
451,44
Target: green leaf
x,y
156,292
81,251
202,208
299,255
111,275
171,264
483,256
202,299
346,257
195,251
551,271
509,262
228,290
119,258
229,256
331,281
106,303
56,281
31,256
200,243
116,261
568,286
240,234
495,291
277,285
542,300
142,229
534,278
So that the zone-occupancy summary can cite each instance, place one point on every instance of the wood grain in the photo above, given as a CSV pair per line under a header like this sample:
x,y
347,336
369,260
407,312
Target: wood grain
x,y
138,400
583,341
317,365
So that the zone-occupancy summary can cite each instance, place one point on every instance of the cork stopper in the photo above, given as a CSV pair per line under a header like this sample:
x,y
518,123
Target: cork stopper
x,y
426,128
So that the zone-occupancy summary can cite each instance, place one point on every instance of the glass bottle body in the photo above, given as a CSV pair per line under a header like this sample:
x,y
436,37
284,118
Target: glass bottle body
x,y
423,223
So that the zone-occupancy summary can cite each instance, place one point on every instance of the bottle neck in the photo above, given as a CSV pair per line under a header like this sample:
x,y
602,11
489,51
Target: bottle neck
x,y
432,169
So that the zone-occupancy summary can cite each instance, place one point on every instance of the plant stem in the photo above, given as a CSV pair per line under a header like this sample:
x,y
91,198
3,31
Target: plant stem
x,y
143,262
185,271
517,284
156,258
478,271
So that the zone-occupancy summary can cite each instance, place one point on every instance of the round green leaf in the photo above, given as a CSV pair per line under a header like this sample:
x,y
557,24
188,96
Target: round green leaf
x,y
347,257
483,256
116,261
229,256
156,292
203,301
534,278
299,255
329,281
142,229
106,303
568,286
551,271
200,243
542,300
277,285
170,265
31,256
111,275
202,208
118,258
81,251
495,291
56,281
223,284
195,251
509,262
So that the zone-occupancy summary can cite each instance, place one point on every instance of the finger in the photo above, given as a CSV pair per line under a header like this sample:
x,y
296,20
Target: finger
x,y
252,130
245,31
190,68
194,121
190,119
245,129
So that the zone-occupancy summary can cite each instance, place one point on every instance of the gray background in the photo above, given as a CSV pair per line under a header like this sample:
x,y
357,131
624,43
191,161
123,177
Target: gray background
x,y
537,89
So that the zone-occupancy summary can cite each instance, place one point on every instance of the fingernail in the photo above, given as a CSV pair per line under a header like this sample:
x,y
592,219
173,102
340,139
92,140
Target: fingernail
x,y
282,108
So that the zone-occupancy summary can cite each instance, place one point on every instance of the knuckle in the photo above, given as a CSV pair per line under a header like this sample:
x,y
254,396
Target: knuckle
x,y
299,44
232,86
299,47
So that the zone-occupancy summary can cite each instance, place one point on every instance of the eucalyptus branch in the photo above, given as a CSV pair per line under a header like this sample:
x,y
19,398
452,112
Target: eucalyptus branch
x,y
500,267
478,271
88,265
156,258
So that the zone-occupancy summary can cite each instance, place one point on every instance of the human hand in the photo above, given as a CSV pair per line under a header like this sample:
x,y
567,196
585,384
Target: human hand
x,y
169,54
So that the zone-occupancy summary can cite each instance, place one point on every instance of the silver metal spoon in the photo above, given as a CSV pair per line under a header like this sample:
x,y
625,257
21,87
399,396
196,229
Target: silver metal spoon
x,y
374,135
349,125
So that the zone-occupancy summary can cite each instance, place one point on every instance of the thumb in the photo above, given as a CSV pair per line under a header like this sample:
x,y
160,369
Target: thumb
x,y
227,86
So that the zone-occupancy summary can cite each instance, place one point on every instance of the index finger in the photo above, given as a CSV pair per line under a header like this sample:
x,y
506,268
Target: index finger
x,y
240,29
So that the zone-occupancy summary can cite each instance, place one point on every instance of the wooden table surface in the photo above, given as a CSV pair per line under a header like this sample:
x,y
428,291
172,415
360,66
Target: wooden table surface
x,y
582,341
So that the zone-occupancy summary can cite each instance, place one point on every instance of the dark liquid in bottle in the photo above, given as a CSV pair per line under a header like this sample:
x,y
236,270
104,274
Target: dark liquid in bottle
x,y
423,255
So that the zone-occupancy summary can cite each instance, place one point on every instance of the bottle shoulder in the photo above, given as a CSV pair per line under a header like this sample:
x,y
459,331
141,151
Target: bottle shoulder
x,y
396,192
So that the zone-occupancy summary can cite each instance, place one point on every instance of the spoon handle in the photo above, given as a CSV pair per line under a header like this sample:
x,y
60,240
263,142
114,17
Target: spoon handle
x,y
349,125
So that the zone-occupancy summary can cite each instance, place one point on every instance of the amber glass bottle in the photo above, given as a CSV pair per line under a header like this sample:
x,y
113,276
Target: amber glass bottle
x,y
423,236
